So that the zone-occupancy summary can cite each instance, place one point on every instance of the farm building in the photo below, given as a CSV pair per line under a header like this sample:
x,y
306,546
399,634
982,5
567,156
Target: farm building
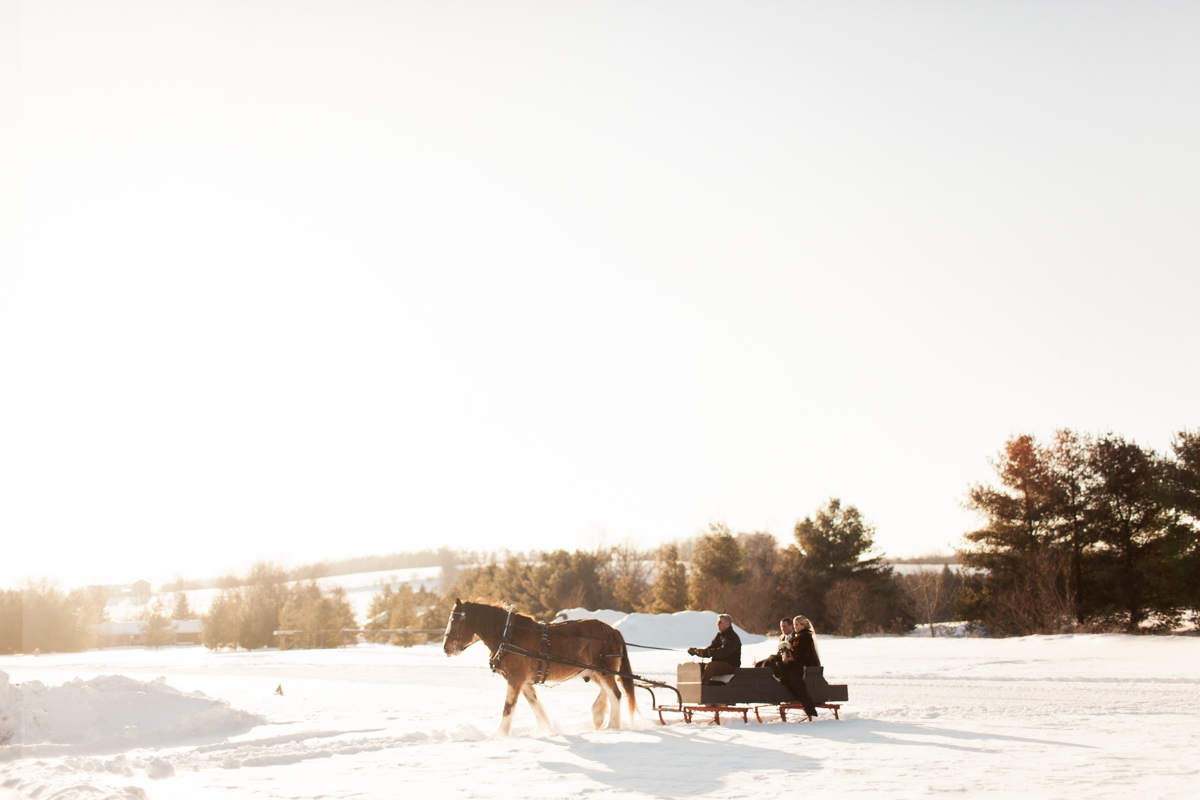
x,y
126,634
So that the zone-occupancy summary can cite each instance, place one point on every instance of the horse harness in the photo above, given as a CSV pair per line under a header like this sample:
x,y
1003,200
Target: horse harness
x,y
543,656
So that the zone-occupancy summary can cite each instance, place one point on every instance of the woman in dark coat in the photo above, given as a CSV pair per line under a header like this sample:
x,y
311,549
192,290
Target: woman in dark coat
x,y
803,654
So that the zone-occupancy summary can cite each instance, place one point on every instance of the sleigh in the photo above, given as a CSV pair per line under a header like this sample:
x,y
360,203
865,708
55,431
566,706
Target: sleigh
x,y
749,689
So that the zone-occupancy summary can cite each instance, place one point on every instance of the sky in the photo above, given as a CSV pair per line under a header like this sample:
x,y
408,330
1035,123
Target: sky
x,y
304,280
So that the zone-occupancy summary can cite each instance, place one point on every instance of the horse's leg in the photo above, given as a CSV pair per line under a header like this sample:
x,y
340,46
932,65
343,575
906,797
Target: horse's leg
x,y
510,701
539,710
608,688
600,705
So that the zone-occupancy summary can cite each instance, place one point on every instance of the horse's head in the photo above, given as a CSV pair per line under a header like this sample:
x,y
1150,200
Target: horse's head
x,y
458,634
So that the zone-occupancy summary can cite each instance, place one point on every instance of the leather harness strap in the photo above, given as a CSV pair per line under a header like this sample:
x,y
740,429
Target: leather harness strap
x,y
543,666
494,661
544,657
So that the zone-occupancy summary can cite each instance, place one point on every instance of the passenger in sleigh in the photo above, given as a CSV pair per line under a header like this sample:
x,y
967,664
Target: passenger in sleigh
x,y
775,661
725,652
803,653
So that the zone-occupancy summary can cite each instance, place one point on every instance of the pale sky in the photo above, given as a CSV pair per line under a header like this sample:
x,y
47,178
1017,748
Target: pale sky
x,y
303,280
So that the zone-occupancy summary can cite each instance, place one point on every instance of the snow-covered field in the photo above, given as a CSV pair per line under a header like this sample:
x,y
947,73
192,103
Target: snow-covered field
x,y
360,588
1060,716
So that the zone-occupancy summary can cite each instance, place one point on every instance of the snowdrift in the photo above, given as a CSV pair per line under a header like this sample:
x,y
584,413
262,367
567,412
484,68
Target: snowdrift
x,y
111,713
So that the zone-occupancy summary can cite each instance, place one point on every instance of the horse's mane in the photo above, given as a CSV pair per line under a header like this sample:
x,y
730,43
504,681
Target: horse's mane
x,y
490,619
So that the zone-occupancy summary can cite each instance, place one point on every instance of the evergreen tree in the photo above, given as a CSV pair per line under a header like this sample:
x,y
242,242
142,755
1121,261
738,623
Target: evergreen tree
x,y
834,550
715,569
157,629
511,582
1129,516
1085,530
1025,588
1071,481
434,609
265,591
220,625
393,609
1020,517
183,609
669,592
566,580
408,610
322,617
1183,498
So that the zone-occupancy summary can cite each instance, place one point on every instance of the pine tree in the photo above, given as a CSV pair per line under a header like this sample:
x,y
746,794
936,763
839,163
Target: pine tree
x,y
157,628
832,576
1130,518
321,617
1071,479
715,571
220,624
1183,497
1025,588
183,610
670,590
1020,516
266,589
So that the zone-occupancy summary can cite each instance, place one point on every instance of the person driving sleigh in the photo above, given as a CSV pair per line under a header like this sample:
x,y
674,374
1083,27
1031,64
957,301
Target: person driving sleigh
x,y
725,651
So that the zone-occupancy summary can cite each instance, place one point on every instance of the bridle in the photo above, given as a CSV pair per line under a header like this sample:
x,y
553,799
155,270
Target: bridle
x,y
456,615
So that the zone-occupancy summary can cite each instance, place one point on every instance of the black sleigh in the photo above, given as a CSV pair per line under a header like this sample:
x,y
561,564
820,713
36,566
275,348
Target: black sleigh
x,y
749,689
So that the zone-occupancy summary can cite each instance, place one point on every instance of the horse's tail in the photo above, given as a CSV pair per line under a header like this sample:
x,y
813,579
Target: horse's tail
x,y
626,678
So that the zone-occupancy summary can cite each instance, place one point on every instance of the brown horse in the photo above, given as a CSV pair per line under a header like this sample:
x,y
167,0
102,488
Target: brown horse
x,y
526,652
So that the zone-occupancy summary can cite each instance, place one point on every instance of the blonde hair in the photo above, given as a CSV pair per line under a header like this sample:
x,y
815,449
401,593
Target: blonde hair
x,y
800,623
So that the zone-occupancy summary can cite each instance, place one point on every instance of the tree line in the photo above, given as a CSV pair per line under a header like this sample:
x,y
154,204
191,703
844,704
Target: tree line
x,y
1085,533
268,599
829,572
43,617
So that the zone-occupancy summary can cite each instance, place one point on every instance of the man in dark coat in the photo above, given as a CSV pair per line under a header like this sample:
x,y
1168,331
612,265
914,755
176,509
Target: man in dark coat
x,y
775,660
725,650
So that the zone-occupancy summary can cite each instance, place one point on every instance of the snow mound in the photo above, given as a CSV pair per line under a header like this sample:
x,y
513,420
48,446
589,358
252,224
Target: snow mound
x,y
112,712
602,614
681,630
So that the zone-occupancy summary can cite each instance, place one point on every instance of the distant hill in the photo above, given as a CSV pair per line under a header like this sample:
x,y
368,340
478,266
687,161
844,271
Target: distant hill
x,y
445,558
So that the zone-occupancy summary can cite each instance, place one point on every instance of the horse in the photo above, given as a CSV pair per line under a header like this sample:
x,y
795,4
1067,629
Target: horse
x,y
526,652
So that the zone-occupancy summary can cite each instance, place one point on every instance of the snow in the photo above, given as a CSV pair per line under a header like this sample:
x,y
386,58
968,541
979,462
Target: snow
x,y
680,630
111,712
1043,716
